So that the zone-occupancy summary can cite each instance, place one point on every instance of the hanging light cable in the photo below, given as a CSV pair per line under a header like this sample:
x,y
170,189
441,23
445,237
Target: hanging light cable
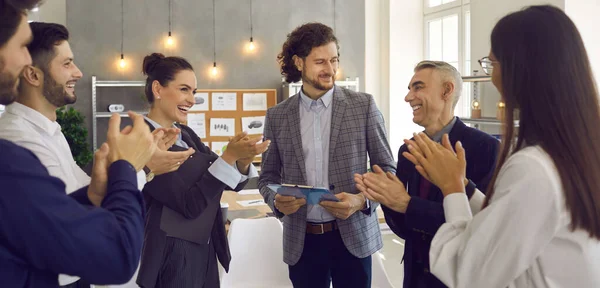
x,y
170,38
214,69
251,44
122,62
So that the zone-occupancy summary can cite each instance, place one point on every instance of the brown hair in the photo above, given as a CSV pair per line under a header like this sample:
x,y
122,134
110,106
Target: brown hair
x,y
11,13
162,69
300,42
549,79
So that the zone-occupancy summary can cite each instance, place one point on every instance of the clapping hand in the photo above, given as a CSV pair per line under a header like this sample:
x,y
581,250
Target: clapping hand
x,y
383,187
440,164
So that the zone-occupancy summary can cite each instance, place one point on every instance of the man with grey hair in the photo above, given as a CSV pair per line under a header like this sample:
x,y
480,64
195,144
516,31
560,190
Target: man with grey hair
x,y
412,205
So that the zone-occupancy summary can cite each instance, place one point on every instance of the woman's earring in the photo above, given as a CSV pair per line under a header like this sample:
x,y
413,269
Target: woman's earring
x,y
158,97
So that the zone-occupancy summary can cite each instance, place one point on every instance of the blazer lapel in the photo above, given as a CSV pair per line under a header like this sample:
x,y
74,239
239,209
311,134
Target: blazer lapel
x,y
294,124
185,136
337,116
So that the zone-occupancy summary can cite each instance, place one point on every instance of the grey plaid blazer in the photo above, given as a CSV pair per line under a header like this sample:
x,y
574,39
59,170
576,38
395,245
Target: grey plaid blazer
x,y
357,127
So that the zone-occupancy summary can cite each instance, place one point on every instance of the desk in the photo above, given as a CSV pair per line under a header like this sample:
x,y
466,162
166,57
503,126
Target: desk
x,y
231,199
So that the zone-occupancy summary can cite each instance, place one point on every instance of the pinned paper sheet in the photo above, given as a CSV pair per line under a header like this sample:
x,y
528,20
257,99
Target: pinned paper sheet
x,y
248,203
218,147
255,101
224,102
200,102
254,125
249,192
222,127
196,121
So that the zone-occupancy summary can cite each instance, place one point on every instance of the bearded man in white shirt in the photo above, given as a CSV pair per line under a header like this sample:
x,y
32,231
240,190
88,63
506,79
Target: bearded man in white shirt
x,y
30,122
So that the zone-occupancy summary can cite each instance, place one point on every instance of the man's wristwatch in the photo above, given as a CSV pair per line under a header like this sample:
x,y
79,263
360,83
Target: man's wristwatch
x,y
149,174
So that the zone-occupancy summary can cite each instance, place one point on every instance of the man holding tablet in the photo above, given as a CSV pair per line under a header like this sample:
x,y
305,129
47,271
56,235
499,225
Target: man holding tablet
x,y
320,138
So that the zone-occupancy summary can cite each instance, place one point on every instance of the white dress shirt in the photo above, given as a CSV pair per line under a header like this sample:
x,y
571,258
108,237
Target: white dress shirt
x,y
522,239
30,129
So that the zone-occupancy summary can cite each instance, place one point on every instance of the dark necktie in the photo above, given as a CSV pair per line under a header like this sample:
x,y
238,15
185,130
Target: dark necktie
x,y
424,191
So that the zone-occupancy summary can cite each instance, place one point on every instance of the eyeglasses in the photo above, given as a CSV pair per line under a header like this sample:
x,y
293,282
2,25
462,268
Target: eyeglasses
x,y
487,65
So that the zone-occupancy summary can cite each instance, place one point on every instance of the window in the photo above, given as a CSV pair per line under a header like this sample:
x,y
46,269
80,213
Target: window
x,y
434,3
448,39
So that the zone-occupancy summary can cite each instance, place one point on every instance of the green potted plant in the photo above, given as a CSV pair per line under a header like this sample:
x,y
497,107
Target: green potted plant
x,y
72,126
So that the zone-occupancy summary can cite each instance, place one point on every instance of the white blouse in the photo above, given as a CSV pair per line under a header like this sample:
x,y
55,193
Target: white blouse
x,y
522,239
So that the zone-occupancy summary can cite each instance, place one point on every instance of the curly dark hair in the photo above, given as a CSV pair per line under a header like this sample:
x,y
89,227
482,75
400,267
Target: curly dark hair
x,y
300,42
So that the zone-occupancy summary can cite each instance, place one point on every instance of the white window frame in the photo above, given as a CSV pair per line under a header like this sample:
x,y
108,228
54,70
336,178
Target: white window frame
x,y
457,7
454,4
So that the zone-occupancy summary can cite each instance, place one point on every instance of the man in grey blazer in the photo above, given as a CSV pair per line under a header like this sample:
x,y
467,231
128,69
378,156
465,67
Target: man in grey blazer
x,y
320,137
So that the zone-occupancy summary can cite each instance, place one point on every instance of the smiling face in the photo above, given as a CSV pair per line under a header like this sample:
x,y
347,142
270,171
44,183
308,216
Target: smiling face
x,y
319,67
175,100
62,74
425,96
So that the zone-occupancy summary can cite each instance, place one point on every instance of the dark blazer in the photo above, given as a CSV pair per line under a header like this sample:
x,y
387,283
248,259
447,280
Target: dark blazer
x,y
194,196
424,217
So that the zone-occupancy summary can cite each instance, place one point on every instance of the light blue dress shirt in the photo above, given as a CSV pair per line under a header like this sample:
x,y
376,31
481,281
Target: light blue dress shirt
x,y
315,129
228,174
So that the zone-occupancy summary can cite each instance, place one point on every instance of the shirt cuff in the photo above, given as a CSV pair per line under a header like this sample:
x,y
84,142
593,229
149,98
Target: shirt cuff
x,y
456,208
252,172
476,201
226,173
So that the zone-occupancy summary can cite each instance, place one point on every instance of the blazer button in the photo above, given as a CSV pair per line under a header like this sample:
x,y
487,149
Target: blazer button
x,y
426,270
423,237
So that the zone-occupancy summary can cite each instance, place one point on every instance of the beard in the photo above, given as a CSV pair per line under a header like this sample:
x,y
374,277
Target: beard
x,y
56,94
315,82
8,86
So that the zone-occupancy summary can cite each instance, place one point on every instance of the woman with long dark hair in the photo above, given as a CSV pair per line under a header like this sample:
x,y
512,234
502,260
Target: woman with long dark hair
x,y
540,224
184,232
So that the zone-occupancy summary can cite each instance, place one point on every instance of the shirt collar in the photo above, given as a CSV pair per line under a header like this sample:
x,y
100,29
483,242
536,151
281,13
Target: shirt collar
x,y
325,99
437,137
34,117
156,126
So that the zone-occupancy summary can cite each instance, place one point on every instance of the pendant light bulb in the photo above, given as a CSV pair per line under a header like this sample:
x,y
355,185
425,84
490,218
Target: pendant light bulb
x,y
251,45
122,62
170,39
214,69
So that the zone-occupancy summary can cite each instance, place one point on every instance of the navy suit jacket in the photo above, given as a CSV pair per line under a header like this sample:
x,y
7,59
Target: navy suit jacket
x,y
424,217
44,232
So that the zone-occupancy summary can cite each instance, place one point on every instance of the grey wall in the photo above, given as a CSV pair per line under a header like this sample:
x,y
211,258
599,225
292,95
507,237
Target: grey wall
x,y
95,28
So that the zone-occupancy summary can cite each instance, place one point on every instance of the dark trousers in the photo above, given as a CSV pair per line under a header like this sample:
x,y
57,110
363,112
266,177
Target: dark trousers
x,y
188,265
77,284
325,258
422,278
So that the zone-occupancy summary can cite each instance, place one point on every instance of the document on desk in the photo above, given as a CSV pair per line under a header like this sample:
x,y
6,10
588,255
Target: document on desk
x,y
249,192
248,203
313,195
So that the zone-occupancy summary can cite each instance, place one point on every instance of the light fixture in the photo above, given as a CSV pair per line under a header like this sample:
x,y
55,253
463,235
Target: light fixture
x,y
122,62
170,38
214,70
475,109
251,44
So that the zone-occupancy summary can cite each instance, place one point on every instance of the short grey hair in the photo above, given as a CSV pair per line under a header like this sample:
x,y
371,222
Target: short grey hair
x,y
447,72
